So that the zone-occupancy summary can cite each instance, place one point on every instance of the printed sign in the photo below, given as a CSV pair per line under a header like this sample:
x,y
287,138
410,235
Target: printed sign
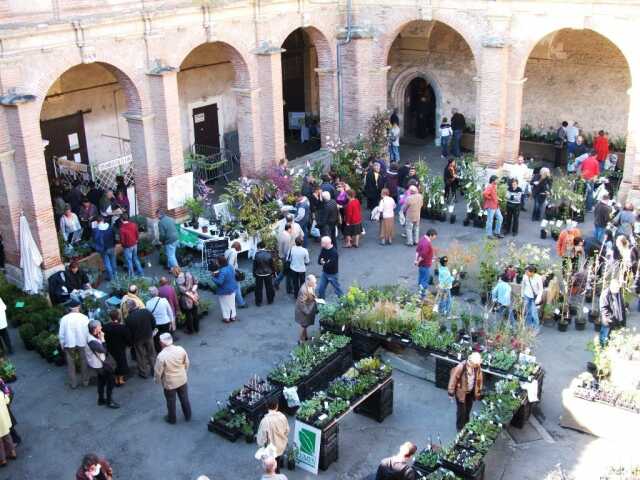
x,y
179,189
307,440
74,142
198,118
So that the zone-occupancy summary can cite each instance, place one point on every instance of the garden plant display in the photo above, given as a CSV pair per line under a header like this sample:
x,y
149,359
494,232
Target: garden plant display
x,y
7,370
462,459
305,358
441,474
501,360
232,422
343,391
252,393
428,458
589,388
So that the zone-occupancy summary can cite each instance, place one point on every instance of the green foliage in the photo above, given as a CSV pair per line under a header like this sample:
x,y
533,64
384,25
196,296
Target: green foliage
x,y
7,370
431,335
377,139
252,203
489,270
195,207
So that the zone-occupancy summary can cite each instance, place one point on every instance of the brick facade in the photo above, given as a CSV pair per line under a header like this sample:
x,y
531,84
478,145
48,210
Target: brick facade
x,y
144,49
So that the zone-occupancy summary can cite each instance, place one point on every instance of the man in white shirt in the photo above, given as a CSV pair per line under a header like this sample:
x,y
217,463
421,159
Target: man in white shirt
x,y
163,316
532,289
4,332
74,329
572,134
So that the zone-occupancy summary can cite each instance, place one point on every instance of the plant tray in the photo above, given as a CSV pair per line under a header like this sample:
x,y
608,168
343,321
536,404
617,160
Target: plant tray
x,y
223,431
476,474
258,410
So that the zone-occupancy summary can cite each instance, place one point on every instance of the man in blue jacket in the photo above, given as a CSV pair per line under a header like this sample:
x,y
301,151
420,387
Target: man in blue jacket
x,y
104,242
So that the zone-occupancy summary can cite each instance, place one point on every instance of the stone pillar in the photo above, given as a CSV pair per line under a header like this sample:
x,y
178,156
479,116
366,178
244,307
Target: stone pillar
x,y
328,104
24,181
249,129
271,106
169,156
364,83
492,103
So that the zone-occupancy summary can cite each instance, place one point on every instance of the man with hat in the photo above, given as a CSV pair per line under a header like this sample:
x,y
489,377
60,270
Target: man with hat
x,y
465,386
170,370
73,335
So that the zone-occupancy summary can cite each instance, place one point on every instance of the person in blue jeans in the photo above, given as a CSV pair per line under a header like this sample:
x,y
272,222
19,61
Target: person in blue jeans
x,y
168,232
232,259
424,260
104,243
532,288
492,206
329,260
445,283
612,312
445,136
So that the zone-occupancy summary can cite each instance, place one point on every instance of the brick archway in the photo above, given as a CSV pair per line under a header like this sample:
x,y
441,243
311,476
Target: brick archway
x,y
400,86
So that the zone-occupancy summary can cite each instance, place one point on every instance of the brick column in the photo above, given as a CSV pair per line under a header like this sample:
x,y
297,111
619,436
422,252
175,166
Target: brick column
x,y
630,187
249,129
492,103
167,135
10,206
148,178
24,180
271,105
515,89
328,104
364,84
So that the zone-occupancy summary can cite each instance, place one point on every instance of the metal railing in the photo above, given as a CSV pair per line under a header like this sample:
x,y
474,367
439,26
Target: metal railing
x,y
210,163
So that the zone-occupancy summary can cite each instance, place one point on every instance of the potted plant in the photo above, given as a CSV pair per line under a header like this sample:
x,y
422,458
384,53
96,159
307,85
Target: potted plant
x,y
196,209
27,333
7,371
292,453
247,431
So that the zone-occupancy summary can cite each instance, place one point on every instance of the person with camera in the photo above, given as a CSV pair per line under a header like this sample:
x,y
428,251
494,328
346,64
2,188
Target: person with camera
x,y
99,360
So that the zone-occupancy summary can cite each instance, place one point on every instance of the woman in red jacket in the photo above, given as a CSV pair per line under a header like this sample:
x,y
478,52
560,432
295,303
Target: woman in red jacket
x,y
601,146
352,221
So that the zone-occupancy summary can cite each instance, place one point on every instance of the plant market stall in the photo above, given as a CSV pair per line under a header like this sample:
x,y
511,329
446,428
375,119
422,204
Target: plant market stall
x,y
309,368
391,316
366,388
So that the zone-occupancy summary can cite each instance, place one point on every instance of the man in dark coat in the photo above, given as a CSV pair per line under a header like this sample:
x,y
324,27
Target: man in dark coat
x,y
398,466
328,217
263,271
612,313
140,323
373,184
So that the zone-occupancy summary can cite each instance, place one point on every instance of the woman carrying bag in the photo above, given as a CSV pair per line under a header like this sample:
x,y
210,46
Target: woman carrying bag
x,y
306,307
99,360
189,299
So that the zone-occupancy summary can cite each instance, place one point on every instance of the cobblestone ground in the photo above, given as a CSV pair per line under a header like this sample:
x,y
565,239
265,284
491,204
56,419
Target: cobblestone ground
x,y
59,425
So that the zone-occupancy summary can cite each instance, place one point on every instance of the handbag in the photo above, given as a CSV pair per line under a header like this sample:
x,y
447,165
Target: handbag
x,y
108,364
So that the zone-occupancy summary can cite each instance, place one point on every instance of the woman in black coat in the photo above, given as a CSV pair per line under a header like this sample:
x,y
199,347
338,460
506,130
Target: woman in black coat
x,y
118,338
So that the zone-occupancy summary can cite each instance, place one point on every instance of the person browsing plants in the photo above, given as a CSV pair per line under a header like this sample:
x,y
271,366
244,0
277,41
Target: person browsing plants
x,y
490,197
465,386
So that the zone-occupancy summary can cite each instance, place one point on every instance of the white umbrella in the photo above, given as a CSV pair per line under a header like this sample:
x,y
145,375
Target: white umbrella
x,y
30,259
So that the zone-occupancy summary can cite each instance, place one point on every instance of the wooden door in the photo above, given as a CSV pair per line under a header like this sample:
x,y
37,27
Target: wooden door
x,y
66,138
206,130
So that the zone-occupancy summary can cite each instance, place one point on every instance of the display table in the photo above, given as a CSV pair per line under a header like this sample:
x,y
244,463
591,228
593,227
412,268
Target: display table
x,y
598,419
246,243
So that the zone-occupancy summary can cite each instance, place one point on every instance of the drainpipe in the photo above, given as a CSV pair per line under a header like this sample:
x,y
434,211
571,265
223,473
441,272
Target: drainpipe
x,y
339,46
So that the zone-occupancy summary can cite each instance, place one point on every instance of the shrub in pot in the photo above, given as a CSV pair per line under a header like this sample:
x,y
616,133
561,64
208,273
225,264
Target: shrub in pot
x,y
27,334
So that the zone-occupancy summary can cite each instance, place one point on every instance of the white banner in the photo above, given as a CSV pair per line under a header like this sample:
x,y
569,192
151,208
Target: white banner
x,y
307,440
116,162
179,189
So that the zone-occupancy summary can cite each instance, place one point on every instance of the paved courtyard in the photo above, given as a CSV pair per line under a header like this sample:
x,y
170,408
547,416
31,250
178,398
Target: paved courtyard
x,y
59,425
